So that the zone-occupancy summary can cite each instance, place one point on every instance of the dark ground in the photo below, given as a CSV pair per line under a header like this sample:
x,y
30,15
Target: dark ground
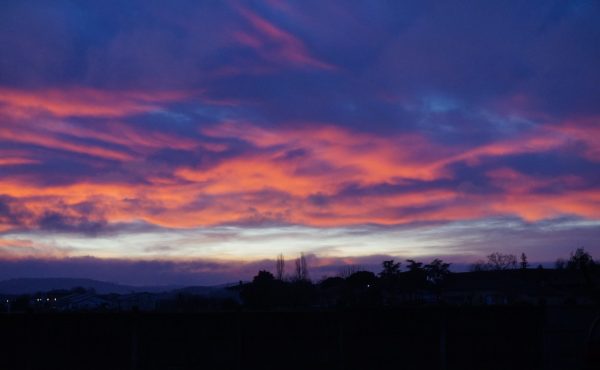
x,y
403,338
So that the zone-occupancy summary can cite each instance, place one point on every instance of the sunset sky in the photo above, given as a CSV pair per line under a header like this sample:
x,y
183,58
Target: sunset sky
x,y
152,142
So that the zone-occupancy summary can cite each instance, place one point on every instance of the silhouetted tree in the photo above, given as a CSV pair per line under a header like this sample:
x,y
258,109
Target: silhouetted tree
x,y
437,271
391,270
415,279
363,279
580,260
261,292
280,267
414,266
263,277
362,289
390,280
560,264
348,270
498,261
524,263
332,282
301,269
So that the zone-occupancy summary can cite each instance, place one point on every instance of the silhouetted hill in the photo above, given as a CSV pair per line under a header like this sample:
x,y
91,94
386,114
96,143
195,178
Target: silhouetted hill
x,y
33,285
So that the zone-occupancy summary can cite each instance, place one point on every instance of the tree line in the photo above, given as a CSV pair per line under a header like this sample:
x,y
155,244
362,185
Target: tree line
x,y
397,282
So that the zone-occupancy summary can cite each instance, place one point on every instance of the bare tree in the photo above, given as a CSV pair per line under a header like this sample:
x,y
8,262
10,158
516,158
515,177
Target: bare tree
x,y
499,261
524,262
496,262
348,270
301,268
280,267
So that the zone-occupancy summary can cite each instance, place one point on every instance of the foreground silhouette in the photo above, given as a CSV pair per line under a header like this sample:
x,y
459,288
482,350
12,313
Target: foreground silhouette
x,y
502,315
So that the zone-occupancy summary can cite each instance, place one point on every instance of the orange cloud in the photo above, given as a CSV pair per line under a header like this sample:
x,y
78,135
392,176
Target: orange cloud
x,y
81,102
540,140
26,136
586,131
360,157
521,196
15,249
8,161
126,143
299,176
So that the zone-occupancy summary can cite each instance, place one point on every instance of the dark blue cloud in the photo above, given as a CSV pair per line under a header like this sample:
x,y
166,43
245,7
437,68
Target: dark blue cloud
x,y
53,221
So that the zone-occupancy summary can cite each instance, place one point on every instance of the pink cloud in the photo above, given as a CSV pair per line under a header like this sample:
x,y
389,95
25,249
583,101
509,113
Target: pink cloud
x,y
81,102
270,184
276,45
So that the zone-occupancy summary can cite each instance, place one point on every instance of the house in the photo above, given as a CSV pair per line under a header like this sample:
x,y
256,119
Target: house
x,y
531,286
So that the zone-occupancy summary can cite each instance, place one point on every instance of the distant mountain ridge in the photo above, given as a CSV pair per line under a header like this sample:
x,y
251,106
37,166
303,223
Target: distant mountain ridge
x,y
34,285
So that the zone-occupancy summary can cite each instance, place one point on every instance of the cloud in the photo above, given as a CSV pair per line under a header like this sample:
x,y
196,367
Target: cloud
x,y
58,222
233,254
274,44
319,175
261,115
81,102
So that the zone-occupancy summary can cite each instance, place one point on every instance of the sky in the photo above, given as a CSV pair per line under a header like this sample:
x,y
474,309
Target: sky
x,y
191,142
